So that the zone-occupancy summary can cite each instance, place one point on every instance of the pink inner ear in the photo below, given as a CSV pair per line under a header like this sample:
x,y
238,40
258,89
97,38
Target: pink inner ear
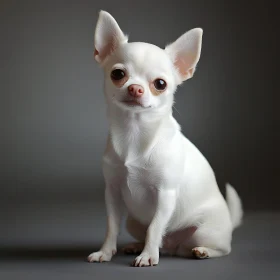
x,y
182,66
106,50
185,67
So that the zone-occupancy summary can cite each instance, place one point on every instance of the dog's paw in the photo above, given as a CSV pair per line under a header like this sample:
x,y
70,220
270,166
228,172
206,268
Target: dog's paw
x,y
101,256
146,259
200,253
133,248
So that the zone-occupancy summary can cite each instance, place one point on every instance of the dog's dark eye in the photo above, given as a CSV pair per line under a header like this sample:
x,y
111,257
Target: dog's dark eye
x,y
117,74
160,84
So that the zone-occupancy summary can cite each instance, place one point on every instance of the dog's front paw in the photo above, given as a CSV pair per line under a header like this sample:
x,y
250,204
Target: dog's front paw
x,y
101,256
146,259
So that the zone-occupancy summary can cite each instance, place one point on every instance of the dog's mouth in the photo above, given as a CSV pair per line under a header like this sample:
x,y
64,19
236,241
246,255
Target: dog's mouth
x,y
132,103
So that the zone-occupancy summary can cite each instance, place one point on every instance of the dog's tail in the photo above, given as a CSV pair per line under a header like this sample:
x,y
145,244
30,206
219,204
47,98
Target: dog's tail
x,y
234,205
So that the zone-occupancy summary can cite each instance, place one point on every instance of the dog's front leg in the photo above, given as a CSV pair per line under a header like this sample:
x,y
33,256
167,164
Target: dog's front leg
x,y
114,212
165,206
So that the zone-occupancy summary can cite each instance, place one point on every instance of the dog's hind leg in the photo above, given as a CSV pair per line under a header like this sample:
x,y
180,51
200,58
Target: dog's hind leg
x,y
212,237
137,231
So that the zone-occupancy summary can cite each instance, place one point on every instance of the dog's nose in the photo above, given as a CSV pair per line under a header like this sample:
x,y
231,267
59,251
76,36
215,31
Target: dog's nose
x,y
135,90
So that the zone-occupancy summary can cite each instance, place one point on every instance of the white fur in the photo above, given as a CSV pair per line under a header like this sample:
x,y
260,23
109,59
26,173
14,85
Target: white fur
x,y
151,170
234,205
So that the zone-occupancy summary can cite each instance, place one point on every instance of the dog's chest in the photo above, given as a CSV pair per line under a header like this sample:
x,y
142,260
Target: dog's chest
x,y
135,161
139,192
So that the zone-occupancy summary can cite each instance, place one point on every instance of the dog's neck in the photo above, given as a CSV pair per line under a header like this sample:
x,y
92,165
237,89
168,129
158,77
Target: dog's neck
x,y
133,134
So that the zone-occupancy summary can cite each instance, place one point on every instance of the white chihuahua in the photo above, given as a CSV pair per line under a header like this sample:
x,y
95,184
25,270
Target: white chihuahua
x,y
151,170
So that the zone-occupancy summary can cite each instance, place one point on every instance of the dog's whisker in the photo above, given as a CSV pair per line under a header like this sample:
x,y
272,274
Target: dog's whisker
x,y
176,110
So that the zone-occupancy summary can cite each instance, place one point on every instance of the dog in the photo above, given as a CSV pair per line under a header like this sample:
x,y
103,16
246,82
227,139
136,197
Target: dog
x,y
151,171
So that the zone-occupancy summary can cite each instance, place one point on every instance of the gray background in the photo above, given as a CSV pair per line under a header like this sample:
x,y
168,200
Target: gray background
x,y
53,125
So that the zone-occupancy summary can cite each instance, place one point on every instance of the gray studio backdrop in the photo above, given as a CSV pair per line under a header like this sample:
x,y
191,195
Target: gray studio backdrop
x,y
53,122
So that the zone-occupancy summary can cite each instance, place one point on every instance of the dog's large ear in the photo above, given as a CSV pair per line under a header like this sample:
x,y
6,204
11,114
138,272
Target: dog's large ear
x,y
108,36
185,52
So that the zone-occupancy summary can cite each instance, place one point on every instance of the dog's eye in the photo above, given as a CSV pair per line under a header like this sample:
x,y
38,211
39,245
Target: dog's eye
x,y
117,74
160,84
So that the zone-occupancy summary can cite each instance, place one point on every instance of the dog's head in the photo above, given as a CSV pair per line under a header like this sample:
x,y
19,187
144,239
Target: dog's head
x,y
141,76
